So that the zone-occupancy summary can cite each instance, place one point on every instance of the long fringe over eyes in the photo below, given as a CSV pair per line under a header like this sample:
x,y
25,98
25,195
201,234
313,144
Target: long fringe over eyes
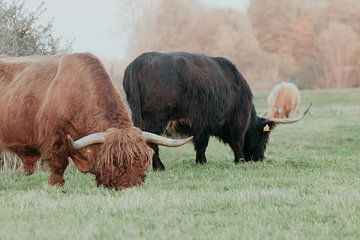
x,y
123,159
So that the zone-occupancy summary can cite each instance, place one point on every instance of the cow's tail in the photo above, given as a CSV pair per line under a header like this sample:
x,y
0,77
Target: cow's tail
x,y
132,90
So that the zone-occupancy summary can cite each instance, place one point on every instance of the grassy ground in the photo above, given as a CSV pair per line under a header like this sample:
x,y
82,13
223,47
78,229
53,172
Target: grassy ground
x,y
307,188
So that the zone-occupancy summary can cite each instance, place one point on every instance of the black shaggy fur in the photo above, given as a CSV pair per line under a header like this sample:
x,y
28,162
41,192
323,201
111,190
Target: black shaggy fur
x,y
207,96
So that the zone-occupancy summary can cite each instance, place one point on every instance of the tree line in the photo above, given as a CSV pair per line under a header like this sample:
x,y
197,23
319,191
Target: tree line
x,y
314,44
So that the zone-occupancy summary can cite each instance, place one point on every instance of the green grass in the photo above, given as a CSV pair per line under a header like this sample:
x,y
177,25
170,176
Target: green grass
x,y
307,188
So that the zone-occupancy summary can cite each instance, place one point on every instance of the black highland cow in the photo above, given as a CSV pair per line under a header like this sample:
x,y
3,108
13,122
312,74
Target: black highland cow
x,y
199,95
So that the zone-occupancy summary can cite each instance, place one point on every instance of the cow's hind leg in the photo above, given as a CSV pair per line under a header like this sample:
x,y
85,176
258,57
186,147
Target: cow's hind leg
x,y
29,164
201,144
155,125
28,156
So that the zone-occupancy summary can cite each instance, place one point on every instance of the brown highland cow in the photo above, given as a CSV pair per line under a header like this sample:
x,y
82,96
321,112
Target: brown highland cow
x,y
47,101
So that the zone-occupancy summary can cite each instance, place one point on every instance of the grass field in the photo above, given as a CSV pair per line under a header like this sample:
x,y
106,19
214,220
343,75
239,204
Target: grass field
x,y
307,188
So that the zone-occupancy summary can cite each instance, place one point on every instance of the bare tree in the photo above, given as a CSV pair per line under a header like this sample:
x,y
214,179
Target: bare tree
x,y
21,33
345,12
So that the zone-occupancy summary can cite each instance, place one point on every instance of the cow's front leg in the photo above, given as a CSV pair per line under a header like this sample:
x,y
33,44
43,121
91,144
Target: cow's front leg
x,y
29,156
57,167
29,164
201,144
156,162
237,149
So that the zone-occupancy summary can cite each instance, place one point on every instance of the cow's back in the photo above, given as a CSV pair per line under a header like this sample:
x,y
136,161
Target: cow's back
x,y
23,84
203,90
51,96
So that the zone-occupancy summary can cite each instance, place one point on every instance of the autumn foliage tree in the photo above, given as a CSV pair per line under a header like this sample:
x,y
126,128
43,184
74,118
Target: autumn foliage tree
x,y
320,37
311,43
182,25
338,45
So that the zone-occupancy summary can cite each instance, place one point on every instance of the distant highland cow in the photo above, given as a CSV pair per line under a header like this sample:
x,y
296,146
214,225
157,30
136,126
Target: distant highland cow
x,y
283,100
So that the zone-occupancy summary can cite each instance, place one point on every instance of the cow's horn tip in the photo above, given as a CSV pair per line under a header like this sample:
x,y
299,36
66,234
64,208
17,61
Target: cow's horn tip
x,y
70,138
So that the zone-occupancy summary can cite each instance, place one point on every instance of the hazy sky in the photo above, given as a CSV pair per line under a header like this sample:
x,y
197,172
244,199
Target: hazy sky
x,y
94,24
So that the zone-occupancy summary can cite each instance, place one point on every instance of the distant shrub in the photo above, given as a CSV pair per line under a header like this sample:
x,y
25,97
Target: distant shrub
x,y
21,34
9,161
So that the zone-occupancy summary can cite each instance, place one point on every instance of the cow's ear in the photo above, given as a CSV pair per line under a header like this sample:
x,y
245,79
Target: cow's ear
x,y
268,125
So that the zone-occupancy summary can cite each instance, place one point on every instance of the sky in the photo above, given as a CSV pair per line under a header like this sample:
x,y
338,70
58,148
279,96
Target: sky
x,y
94,25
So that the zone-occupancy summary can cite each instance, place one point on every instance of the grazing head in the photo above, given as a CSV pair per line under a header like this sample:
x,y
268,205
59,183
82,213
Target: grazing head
x,y
256,138
257,135
123,159
118,158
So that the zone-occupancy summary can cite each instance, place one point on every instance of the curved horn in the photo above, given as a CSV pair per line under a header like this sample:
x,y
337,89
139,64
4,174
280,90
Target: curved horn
x,y
290,121
153,138
99,137
87,140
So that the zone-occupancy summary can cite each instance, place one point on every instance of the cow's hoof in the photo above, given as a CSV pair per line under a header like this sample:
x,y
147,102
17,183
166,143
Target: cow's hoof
x,y
240,161
159,167
56,180
29,169
201,161
28,173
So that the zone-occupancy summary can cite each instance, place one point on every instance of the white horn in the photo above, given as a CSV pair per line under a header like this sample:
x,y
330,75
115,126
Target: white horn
x,y
94,138
156,139
100,137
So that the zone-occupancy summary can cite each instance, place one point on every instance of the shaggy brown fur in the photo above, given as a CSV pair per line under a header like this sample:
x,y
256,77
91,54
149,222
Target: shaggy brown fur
x,y
125,157
45,99
173,128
